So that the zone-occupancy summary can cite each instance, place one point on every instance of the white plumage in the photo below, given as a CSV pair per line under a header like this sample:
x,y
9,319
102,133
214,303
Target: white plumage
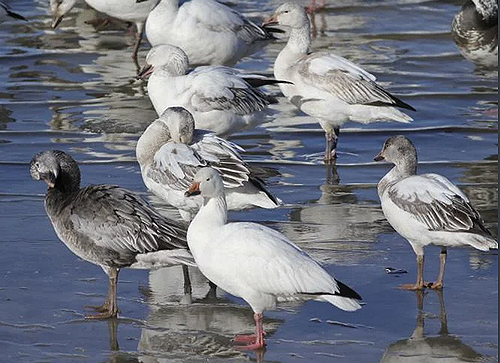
x,y
326,86
221,99
255,262
427,209
209,32
126,10
171,151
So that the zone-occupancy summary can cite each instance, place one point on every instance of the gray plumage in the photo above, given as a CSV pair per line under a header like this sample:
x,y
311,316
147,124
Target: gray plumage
x,y
475,32
105,224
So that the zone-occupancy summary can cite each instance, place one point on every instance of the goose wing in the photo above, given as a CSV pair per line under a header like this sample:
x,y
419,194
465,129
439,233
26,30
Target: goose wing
x,y
437,203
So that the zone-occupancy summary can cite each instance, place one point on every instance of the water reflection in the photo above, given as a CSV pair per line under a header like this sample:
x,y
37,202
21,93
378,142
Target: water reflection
x,y
418,347
201,330
337,228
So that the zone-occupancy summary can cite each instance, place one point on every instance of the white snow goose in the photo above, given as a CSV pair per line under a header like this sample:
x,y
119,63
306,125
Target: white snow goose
x,y
107,225
171,151
126,10
209,32
221,99
326,86
475,32
255,262
427,209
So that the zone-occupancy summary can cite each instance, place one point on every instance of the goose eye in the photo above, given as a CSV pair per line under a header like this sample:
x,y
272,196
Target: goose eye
x,y
208,179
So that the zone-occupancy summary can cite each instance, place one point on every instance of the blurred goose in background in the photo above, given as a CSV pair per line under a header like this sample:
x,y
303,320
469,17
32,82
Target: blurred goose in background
x,y
427,209
107,225
221,99
326,86
255,262
171,151
126,10
475,32
209,32
6,12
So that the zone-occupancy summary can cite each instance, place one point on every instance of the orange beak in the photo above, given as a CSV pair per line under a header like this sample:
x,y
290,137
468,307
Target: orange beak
x,y
194,189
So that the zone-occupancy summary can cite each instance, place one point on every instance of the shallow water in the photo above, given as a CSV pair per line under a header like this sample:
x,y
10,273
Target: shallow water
x,y
74,89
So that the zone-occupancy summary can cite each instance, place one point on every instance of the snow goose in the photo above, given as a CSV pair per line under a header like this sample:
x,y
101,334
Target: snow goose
x,y
221,99
6,12
326,86
171,151
427,209
209,32
106,225
255,262
475,32
126,10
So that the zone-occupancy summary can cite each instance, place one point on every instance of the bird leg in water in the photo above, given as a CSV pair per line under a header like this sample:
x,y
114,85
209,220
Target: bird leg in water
x,y
110,307
438,284
419,285
138,38
256,340
331,145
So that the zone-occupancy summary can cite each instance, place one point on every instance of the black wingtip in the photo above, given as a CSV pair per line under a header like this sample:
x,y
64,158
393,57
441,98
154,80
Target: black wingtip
x,y
15,15
346,291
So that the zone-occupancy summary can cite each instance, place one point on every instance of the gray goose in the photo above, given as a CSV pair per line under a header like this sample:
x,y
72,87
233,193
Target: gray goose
x,y
107,225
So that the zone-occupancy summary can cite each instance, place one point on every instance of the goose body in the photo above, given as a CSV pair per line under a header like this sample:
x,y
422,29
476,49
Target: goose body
x,y
171,151
209,32
326,86
107,225
427,209
255,262
220,99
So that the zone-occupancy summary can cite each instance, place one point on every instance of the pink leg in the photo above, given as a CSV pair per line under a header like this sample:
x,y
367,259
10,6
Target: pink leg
x,y
256,341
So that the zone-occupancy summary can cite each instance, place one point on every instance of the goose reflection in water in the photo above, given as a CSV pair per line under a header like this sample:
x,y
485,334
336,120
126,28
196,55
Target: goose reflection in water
x,y
419,348
337,228
201,330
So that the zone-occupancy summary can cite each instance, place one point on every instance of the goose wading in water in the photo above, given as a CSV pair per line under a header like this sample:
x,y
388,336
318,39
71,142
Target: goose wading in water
x,y
107,225
326,86
221,99
209,32
475,32
255,262
171,151
427,209
6,12
126,10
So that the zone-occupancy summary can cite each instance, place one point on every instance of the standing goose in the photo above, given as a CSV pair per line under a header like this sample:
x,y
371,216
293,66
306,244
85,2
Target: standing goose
x,y
126,10
475,32
209,32
221,99
427,209
6,12
106,225
171,151
326,86
255,262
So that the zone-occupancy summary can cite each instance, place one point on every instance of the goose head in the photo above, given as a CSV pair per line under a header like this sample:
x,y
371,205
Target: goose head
x,y
169,58
57,169
400,151
180,123
290,15
208,183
